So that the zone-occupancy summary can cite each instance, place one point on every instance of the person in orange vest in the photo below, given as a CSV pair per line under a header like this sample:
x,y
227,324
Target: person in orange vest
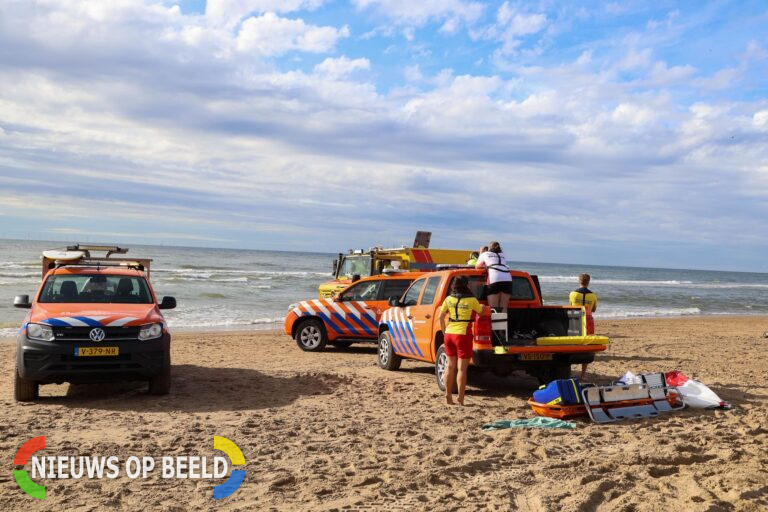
x,y
583,296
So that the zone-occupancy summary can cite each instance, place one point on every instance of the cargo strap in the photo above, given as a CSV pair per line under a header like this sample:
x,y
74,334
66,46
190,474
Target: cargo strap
x,y
498,266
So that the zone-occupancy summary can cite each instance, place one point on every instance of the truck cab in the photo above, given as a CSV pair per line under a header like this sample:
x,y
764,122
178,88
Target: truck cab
x,y
92,319
358,263
543,340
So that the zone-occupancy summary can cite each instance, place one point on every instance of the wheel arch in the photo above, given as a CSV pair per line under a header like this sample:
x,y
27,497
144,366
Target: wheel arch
x,y
302,319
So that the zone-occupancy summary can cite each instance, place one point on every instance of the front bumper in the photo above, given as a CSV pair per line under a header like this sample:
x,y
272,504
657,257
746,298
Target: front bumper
x,y
54,361
487,358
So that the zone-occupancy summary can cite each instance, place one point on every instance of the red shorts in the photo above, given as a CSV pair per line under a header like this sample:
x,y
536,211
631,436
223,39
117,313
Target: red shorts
x,y
458,344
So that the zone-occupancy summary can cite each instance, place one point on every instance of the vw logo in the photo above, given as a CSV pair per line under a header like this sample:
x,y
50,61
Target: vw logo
x,y
97,334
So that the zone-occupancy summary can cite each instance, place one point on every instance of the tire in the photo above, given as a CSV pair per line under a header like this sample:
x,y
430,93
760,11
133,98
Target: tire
x,y
161,384
441,365
311,336
554,371
341,344
24,390
387,358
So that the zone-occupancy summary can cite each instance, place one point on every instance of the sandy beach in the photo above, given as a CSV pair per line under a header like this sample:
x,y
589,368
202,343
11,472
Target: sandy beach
x,y
332,431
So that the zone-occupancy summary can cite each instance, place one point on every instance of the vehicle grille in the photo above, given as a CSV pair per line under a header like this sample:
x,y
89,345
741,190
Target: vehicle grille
x,y
71,333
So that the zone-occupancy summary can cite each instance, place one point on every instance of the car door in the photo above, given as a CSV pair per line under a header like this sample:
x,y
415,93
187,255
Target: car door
x,y
423,316
401,327
357,309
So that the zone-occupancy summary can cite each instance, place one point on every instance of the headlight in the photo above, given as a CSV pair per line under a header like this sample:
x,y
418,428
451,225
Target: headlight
x,y
293,306
150,331
41,332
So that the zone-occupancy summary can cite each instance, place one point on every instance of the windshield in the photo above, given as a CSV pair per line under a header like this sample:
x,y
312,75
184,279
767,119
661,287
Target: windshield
x,y
96,288
360,265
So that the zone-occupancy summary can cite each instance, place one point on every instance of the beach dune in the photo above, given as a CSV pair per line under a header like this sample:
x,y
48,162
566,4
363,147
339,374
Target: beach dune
x,y
332,431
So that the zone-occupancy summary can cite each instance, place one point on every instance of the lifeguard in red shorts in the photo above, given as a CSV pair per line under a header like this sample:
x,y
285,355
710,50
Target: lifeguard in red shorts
x,y
459,307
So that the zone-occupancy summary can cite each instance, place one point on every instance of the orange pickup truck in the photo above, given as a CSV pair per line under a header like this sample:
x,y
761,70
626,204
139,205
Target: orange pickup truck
x,y
542,340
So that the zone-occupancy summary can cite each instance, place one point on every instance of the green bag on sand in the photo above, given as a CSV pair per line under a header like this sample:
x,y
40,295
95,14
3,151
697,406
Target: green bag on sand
x,y
537,422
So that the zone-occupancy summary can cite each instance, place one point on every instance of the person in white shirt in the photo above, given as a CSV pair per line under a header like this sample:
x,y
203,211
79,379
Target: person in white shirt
x,y
499,278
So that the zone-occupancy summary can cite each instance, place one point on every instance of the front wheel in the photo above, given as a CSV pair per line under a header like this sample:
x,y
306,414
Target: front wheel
x,y
24,390
387,358
311,336
441,366
161,384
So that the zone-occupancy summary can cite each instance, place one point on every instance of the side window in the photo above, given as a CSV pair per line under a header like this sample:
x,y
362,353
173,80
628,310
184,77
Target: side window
x,y
368,290
394,288
411,297
430,290
521,289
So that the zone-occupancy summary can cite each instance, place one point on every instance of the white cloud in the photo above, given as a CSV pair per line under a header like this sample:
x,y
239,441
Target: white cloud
x,y
760,119
341,67
511,28
270,34
233,11
452,13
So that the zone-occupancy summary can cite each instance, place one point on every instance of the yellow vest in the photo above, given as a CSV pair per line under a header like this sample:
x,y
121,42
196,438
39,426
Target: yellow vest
x,y
583,297
460,309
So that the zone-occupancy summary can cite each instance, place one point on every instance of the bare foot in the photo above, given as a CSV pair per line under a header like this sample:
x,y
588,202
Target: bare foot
x,y
449,400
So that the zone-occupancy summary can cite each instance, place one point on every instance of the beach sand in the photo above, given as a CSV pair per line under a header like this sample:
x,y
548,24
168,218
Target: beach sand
x,y
332,431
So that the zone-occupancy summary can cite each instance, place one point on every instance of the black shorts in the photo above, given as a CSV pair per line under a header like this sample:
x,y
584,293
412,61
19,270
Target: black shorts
x,y
500,287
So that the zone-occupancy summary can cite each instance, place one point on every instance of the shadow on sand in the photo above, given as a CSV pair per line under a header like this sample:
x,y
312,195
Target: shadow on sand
x,y
200,389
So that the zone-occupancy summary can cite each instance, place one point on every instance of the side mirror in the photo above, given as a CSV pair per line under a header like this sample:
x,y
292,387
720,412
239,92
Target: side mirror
x,y
168,303
355,278
394,302
22,301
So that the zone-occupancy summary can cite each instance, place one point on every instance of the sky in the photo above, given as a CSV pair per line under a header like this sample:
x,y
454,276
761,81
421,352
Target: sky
x,y
592,132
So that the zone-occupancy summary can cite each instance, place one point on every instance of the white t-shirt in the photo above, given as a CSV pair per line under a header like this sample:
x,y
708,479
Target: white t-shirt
x,y
498,271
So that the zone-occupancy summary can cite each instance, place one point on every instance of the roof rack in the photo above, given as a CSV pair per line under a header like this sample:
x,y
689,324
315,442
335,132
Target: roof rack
x,y
451,266
79,255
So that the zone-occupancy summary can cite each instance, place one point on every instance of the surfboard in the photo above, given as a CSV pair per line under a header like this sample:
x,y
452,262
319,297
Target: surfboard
x,y
62,255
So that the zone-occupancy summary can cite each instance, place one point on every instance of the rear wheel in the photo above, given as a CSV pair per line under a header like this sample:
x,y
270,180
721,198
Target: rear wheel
x,y
441,366
311,336
25,390
555,371
161,384
387,358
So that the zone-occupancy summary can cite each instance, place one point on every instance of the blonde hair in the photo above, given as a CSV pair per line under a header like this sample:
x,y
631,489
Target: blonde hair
x,y
584,279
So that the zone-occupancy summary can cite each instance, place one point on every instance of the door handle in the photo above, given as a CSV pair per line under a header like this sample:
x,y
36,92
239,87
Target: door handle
x,y
410,317
427,316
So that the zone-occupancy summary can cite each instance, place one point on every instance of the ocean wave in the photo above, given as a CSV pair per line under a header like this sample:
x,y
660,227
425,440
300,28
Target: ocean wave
x,y
211,271
20,275
637,282
650,312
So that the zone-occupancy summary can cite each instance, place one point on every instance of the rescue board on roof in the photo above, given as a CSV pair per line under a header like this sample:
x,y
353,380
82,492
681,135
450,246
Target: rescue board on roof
x,y
63,255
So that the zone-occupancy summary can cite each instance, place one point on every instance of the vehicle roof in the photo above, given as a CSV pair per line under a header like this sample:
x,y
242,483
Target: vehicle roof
x,y
470,272
107,271
397,275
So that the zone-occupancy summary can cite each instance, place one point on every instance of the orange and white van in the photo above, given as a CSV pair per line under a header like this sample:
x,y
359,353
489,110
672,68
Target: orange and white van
x,y
350,316
92,319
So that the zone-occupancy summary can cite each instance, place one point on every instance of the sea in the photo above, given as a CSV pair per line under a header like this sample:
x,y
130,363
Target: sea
x,y
230,289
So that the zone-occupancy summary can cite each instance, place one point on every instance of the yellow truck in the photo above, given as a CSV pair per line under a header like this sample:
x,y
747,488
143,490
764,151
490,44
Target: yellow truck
x,y
377,260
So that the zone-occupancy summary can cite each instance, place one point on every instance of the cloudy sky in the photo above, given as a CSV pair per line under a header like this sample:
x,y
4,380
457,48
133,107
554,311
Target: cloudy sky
x,y
581,132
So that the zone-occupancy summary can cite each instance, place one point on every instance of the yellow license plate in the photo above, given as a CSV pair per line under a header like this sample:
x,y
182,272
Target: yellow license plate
x,y
97,351
535,357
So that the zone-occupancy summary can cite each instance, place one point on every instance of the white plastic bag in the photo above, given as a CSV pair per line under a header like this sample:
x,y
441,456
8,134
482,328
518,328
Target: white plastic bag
x,y
694,393
630,378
